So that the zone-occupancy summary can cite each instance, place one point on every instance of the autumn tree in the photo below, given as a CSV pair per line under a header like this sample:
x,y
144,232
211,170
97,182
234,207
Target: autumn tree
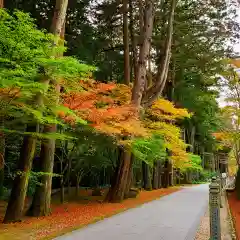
x,y
21,93
2,141
41,205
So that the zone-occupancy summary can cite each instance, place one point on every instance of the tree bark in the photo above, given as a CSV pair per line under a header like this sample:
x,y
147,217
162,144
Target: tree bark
x,y
16,203
166,175
41,205
78,180
133,41
126,43
62,190
129,178
2,142
116,193
69,176
156,90
192,139
155,175
1,3
117,190
145,42
160,174
147,184
59,18
2,156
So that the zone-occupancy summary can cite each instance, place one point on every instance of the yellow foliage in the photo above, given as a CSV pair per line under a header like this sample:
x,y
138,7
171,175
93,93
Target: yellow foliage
x,y
172,138
232,164
235,62
160,119
165,110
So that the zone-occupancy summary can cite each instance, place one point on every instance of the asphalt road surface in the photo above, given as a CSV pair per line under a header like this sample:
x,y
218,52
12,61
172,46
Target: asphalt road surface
x,y
173,217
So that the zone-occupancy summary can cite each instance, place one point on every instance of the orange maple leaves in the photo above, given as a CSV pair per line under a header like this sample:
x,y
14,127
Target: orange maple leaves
x,y
107,106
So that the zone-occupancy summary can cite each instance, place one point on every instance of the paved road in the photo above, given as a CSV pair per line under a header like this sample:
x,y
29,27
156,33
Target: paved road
x,y
173,217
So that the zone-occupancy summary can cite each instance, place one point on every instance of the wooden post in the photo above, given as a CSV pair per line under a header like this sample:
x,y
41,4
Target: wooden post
x,y
214,208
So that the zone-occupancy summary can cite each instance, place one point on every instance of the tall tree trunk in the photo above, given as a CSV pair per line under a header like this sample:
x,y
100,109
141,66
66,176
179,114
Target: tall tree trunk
x,y
145,42
41,205
62,190
1,3
133,41
147,183
160,174
2,156
165,174
16,203
69,176
2,141
126,43
155,175
129,178
117,190
78,180
192,139
156,90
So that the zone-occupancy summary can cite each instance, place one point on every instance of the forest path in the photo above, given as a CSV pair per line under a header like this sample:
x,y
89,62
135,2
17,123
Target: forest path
x,y
172,217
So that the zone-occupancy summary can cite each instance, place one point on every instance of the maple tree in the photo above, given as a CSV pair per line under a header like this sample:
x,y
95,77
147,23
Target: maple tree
x,y
107,107
160,119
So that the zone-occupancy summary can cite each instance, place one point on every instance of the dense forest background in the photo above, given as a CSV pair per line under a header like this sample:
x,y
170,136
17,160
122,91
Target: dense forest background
x,y
110,94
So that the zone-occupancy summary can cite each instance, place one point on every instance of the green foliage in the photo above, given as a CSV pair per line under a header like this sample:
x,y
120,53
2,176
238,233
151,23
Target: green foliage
x,y
150,149
27,70
206,175
195,162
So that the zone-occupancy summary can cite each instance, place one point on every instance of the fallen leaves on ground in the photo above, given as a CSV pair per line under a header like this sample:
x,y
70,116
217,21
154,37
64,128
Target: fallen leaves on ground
x,y
234,205
69,216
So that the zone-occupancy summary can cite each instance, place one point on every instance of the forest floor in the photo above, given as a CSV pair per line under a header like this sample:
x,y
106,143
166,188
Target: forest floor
x,y
72,215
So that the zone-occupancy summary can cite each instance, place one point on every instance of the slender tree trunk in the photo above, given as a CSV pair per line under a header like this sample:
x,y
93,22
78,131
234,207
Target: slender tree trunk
x,y
69,176
156,90
117,190
129,178
145,42
16,203
147,183
1,3
160,174
133,40
2,156
62,190
79,177
126,43
41,205
2,141
192,139
116,193
170,170
62,181
155,175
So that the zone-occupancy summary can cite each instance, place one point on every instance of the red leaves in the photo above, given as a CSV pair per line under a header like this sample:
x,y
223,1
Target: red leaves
x,y
107,106
234,205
